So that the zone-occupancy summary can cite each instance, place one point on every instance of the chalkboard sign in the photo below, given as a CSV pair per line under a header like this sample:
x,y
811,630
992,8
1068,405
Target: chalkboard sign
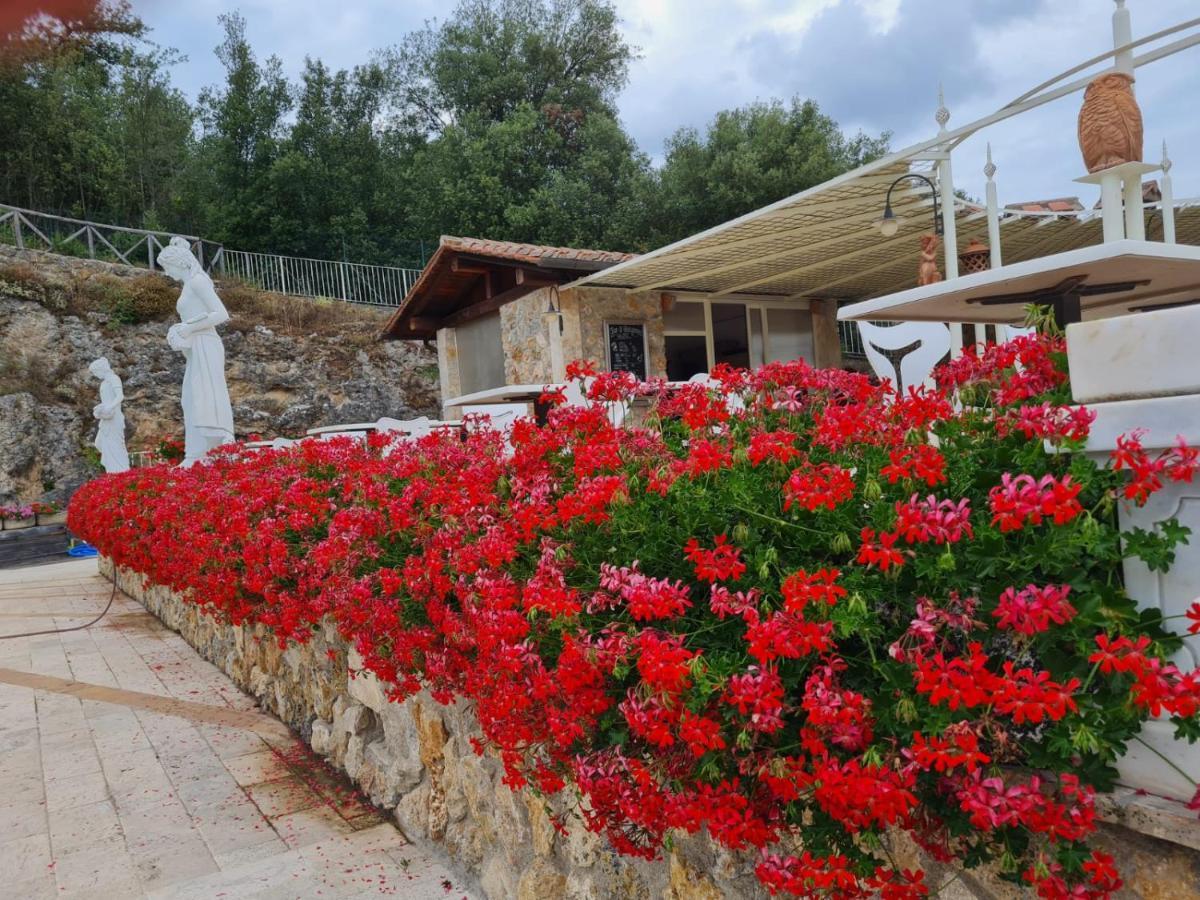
x,y
626,347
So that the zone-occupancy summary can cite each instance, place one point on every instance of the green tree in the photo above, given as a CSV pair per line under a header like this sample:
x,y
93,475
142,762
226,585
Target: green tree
x,y
509,108
89,123
750,157
244,126
491,57
335,194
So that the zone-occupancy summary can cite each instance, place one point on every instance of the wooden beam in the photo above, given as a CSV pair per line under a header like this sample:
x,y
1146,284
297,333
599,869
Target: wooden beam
x,y
491,304
423,323
458,267
537,279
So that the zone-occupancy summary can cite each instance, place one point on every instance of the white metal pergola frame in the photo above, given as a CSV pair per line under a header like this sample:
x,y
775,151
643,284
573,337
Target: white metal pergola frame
x,y
726,251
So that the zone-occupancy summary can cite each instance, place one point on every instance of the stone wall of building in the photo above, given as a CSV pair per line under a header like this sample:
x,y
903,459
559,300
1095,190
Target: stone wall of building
x,y
526,338
585,310
414,759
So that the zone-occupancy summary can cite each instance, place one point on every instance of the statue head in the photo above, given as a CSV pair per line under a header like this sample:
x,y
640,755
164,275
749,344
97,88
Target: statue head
x,y
929,243
177,260
100,367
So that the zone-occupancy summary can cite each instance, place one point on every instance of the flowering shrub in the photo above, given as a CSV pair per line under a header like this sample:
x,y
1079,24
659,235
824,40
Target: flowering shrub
x,y
795,610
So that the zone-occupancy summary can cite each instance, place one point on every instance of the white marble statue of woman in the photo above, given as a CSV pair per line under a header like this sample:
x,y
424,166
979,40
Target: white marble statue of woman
x,y
207,413
110,436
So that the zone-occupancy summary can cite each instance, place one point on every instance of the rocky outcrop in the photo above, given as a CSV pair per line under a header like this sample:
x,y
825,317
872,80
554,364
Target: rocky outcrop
x,y
288,368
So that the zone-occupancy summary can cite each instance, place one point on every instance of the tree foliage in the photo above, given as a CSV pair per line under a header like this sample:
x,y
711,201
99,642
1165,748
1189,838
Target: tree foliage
x,y
500,121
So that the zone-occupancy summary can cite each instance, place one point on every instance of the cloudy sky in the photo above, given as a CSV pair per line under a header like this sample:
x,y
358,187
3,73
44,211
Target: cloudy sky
x,y
871,64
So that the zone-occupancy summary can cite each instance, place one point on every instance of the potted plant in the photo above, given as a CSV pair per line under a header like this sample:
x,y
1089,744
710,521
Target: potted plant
x,y
15,515
170,449
47,512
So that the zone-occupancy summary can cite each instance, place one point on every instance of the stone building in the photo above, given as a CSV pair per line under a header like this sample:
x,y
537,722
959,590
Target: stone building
x,y
508,317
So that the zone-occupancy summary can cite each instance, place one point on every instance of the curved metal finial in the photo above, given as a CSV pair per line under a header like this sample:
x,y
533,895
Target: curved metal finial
x,y
1166,160
989,168
942,116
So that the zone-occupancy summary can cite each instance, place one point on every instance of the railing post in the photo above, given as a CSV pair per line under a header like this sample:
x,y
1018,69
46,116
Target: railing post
x,y
282,277
91,239
342,279
17,231
150,242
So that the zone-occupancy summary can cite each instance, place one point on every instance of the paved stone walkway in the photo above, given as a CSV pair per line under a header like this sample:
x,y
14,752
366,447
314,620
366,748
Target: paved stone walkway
x,y
131,767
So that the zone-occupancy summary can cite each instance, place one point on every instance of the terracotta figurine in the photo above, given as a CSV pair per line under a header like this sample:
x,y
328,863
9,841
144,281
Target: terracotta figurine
x,y
1110,123
927,272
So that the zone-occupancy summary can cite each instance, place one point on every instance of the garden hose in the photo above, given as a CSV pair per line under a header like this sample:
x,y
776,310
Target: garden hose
x,y
103,612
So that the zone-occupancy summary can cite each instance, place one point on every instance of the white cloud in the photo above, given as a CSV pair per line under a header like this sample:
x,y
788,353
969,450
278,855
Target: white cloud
x,y
872,64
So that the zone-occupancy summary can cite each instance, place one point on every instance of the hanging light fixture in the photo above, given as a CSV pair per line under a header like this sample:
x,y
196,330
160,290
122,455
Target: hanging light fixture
x,y
889,223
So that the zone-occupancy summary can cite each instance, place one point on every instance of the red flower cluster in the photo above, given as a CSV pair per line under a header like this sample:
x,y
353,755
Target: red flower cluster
x,y
1034,608
1023,500
816,487
648,616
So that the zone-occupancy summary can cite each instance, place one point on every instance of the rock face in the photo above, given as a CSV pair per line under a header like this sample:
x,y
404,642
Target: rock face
x,y
286,372
415,761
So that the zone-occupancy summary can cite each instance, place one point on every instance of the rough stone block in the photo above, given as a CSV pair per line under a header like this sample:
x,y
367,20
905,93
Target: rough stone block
x,y
321,739
363,686
542,881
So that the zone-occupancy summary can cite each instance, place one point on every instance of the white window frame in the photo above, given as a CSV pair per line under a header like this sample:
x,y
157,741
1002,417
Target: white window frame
x,y
760,305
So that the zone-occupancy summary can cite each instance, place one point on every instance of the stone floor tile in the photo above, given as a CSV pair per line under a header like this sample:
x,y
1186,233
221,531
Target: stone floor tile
x,y
235,859
174,863
97,870
120,797
310,826
231,742
216,790
17,740
278,798
25,789
255,768
42,888
149,827
25,858
250,879
24,819
74,829
67,762
76,791
192,766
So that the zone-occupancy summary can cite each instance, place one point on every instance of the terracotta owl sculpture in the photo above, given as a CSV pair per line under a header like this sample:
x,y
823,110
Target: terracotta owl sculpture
x,y
1110,123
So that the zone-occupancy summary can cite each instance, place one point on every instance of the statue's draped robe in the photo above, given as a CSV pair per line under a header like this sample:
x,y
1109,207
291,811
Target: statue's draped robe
x,y
110,435
207,413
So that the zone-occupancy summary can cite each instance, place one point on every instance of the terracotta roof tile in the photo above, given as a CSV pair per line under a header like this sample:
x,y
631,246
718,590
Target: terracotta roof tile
x,y
529,252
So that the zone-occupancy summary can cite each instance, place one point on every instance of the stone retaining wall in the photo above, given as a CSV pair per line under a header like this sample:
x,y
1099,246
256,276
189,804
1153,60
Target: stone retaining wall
x,y
414,759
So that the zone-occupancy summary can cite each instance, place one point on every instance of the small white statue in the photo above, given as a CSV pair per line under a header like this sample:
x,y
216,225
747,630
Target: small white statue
x,y
110,436
207,413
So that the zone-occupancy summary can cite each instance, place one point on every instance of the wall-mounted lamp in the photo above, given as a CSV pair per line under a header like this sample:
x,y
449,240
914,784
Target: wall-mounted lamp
x,y
889,223
550,307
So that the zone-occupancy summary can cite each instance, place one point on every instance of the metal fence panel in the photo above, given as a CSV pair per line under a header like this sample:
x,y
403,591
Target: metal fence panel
x,y
297,276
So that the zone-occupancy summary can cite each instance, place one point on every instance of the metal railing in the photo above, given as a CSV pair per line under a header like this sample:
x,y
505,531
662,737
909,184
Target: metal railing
x,y
327,278
297,276
33,230
851,338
